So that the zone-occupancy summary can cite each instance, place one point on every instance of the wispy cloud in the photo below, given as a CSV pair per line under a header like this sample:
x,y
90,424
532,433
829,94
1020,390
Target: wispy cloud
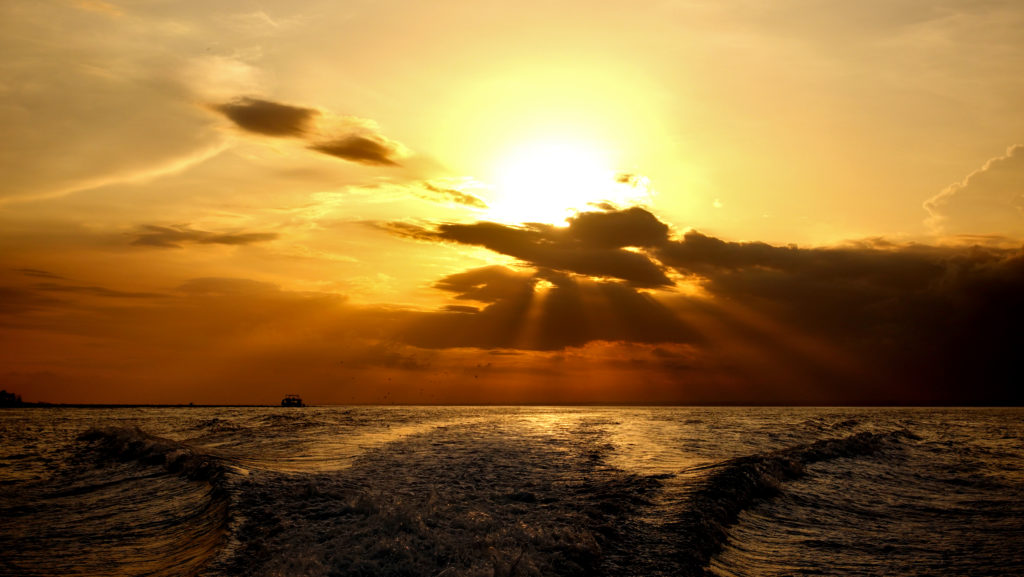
x,y
445,193
34,272
176,236
95,291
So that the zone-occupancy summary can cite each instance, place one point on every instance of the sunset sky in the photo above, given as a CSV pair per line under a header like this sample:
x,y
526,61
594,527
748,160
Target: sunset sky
x,y
512,202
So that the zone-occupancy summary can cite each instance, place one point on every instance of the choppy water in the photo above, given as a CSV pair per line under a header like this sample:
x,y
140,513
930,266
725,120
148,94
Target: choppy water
x,y
463,491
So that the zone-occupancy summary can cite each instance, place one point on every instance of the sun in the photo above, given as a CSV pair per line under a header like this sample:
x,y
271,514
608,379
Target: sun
x,y
546,181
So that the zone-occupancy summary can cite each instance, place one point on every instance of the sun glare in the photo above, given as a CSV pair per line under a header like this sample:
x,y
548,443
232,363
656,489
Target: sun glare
x,y
548,181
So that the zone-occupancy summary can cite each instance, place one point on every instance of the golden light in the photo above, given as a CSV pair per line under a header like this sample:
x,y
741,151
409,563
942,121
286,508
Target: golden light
x,y
547,181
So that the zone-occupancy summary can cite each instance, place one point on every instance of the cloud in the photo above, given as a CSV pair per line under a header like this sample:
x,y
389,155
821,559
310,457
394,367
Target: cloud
x,y
390,355
227,286
522,314
594,244
363,149
866,323
176,236
95,291
870,322
460,309
48,297
926,322
451,194
20,300
89,110
990,200
352,139
268,117
488,284
618,228
39,273
856,323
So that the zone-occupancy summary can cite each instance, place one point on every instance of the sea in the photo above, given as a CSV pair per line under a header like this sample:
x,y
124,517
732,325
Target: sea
x,y
511,491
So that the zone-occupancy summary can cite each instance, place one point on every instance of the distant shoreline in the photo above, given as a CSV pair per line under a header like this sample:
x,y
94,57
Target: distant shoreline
x,y
44,405
41,405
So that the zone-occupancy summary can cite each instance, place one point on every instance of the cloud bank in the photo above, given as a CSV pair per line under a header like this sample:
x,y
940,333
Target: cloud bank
x,y
875,321
614,307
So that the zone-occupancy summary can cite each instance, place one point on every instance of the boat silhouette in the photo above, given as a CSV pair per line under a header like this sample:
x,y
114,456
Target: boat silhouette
x,y
292,401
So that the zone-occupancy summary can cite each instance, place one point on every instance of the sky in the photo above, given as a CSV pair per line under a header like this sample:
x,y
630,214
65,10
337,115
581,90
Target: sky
x,y
802,201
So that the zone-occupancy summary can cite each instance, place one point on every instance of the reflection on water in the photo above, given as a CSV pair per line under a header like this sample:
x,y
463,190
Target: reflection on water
x,y
511,491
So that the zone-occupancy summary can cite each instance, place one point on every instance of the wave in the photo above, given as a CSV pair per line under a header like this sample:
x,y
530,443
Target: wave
x,y
134,444
125,502
738,484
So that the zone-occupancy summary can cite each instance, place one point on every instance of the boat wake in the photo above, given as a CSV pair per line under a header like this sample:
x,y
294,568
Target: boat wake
x,y
474,494
702,527
503,504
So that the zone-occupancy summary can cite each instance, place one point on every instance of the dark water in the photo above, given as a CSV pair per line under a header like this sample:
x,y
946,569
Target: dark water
x,y
468,491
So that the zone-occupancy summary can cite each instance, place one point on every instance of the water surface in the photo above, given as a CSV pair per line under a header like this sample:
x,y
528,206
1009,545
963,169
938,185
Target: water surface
x,y
503,491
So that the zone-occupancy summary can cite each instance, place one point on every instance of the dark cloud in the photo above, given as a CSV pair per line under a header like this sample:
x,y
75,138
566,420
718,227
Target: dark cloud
x,y
618,228
452,195
932,324
364,149
488,284
594,244
354,140
868,322
520,314
176,236
268,117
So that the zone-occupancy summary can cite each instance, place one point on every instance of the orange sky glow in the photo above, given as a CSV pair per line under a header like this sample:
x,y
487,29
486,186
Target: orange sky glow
x,y
512,202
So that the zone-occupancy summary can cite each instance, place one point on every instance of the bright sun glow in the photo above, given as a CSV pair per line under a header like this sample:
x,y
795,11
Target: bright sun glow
x,y
548,181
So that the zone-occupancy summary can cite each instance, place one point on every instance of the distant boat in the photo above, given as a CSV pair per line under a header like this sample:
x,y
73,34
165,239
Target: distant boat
x,y
292,401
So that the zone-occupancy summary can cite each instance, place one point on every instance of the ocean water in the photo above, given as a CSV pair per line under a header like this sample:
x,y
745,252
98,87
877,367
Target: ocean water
x,y
511,491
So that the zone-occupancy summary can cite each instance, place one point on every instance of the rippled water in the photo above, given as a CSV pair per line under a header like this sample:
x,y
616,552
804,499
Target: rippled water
x,y
461,491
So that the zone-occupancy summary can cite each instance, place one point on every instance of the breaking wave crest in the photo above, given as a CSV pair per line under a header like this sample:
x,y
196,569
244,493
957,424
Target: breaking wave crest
x,y
125,503
133,444
738,484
